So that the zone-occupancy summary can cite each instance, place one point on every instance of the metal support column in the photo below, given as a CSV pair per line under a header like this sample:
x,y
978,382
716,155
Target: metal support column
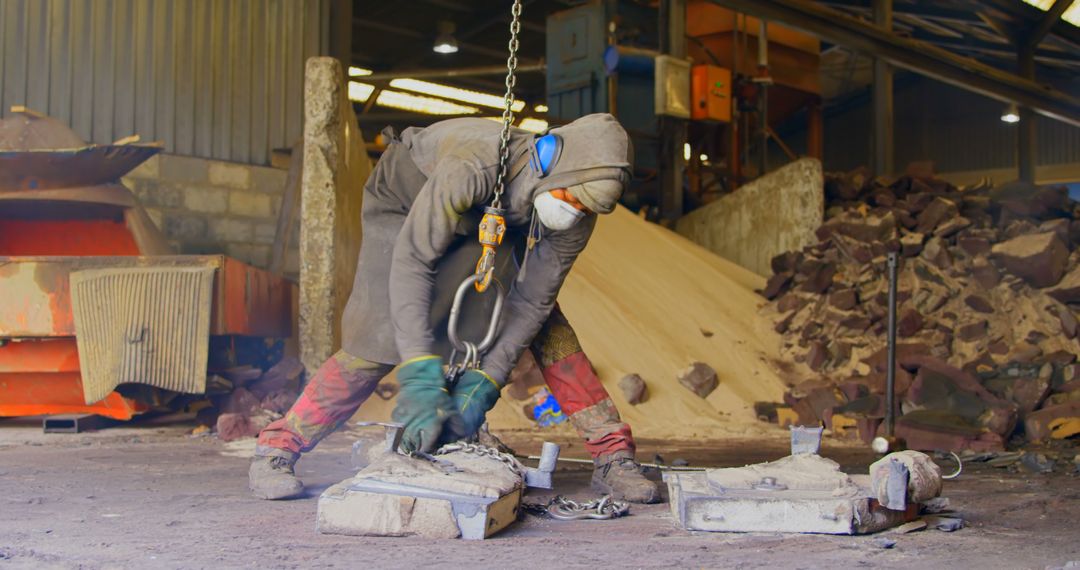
x,y
1025,135
340,36
672,130
883,96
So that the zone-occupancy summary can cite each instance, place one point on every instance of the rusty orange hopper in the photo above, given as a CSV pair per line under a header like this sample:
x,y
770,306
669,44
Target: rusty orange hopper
x,y
93,304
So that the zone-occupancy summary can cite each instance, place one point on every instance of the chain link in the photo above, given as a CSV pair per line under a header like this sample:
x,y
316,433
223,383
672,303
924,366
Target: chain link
x,y
484,451
508,102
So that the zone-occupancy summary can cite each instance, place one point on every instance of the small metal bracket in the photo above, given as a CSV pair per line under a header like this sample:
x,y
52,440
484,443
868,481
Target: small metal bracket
x,y
540,476
806,439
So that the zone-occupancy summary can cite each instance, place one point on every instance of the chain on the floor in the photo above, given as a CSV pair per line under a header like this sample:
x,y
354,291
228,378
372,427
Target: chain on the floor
x,y
484,451
563,509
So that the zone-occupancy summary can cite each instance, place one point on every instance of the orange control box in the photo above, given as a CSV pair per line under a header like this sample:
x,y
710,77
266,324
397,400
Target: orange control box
x,y
710,89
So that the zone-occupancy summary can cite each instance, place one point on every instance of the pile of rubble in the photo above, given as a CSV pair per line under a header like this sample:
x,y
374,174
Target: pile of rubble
x,y
254,399
988,293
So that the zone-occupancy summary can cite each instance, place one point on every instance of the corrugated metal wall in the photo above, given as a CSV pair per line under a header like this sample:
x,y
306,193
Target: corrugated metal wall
x,y
219,79
959,130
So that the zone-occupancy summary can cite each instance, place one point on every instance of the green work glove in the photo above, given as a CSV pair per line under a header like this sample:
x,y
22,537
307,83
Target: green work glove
x,y
423,404
474,395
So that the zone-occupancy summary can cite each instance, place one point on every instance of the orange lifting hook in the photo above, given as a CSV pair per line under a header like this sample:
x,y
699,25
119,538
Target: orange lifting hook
x,y
492,230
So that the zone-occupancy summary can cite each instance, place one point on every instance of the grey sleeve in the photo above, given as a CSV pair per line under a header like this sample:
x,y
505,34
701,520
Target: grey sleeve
x,y
453,188
531,300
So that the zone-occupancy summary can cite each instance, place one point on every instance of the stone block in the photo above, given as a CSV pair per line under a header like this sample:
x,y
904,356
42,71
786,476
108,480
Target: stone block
x,y
265,232
699,378
268,180
188,169
1039,425
633,388
1068,289
938,211
250,204
1039,259
232,230
185,228
156,193
229,175
206,200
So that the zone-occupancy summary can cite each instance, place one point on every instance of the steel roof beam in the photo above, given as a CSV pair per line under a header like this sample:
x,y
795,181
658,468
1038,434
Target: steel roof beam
x,y
914,55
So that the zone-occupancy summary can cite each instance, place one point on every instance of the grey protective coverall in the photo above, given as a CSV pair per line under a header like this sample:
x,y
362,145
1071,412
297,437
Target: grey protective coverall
x,y
422,207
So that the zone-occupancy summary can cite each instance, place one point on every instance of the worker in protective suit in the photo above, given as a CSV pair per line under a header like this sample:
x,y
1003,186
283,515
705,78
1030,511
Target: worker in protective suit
x,y
422,208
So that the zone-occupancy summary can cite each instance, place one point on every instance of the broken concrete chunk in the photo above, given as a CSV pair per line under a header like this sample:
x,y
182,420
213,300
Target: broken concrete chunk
x,y
979,303
909,323
700,379
985,274
819,276
952,226
867,228
844,299
1039,259
633,389
938,211
972,332
1039,425
974,246
776,285
1068,289
911,244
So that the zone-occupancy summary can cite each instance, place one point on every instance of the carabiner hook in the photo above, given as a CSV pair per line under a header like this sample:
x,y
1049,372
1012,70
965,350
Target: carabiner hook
x,y
474,350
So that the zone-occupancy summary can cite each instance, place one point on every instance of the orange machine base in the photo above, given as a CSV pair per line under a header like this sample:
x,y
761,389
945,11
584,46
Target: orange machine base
x,y
41,377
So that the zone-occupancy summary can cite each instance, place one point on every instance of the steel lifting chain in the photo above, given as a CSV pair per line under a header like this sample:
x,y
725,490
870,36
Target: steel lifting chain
x,y
493,225
561,508
483,451
508,103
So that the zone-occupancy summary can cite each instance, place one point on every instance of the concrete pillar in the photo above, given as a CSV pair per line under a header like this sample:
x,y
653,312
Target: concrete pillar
x,y
334,171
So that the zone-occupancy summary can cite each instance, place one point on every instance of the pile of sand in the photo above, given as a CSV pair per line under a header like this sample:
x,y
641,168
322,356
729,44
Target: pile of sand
x,y
645,300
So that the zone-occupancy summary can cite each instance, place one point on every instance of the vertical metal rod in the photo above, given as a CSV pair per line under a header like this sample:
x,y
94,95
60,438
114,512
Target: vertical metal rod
x,y
890,373
1025,135
883,97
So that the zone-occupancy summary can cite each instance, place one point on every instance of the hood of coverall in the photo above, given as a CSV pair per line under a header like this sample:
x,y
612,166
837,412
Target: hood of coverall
x,y
595,148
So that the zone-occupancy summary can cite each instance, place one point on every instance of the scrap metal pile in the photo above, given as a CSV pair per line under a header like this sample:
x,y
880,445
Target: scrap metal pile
x,y
988,294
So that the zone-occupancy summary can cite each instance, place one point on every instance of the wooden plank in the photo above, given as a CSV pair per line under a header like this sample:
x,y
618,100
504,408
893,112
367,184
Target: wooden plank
x,y
290,209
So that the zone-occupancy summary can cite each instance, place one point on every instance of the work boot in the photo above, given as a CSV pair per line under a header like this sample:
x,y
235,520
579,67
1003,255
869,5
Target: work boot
x,y
618,475
272,477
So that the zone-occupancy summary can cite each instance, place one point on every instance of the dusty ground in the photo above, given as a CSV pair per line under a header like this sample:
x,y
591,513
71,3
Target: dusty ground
x,y
151,496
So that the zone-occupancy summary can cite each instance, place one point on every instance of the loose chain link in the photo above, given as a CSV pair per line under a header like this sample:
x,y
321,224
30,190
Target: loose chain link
x,y
484,451
561,508
508,101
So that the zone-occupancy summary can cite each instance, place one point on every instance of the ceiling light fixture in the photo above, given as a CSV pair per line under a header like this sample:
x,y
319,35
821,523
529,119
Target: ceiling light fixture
x,y
425,105
1011,114
360,92
445,42
455,93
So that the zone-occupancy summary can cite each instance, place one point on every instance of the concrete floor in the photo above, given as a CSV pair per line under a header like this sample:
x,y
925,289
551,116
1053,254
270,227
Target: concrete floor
x,y
152,496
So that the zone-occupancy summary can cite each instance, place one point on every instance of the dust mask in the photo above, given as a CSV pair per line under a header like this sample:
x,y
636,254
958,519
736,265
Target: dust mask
x,y
556,214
